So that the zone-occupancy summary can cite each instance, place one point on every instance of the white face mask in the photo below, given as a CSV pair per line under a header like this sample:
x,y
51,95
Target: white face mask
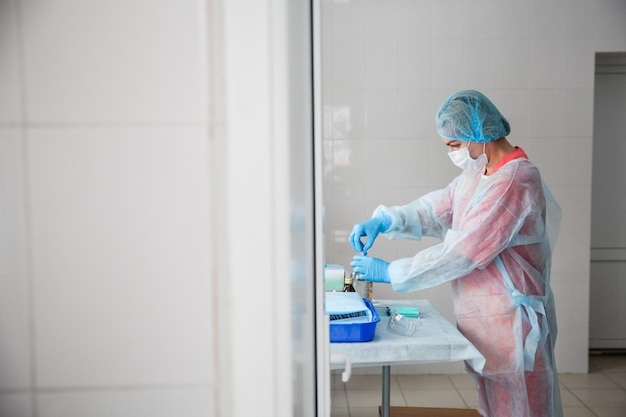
x,y
463,160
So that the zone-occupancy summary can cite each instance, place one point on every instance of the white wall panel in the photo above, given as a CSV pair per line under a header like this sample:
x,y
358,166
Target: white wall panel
x,y
10,99
15,337
114,61
120,237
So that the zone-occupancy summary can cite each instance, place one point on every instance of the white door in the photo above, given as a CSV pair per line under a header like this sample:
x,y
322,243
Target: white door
x,y
608,226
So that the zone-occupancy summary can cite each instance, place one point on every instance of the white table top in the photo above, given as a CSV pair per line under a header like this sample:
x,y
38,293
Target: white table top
x,y
436,340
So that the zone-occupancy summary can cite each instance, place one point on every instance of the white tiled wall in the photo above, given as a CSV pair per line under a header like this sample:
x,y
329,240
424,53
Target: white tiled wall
x,y
104,243
388,64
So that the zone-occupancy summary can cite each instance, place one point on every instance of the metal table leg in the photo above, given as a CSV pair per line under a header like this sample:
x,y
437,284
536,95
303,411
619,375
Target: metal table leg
x,y
386,390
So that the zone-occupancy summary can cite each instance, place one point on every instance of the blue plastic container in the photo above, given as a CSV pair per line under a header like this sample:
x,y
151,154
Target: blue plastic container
x,y
355,332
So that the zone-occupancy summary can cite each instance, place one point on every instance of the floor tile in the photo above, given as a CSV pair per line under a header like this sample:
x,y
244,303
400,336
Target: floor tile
x,y
434,398
338,399
600,397
363,412
470,397
600,393
463,381
618,378
569,400
609,412
418,382
372,398
370,382
340,412
592,380
576,412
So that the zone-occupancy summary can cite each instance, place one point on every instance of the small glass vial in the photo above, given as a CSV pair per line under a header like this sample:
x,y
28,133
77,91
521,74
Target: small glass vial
x,y
364,288
347,284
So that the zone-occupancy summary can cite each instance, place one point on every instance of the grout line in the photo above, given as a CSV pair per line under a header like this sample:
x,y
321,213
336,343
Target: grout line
x,y
581,401
100,124
458,392
26,201
103,388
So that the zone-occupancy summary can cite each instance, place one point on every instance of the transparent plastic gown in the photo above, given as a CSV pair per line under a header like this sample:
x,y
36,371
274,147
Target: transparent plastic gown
x,y
496,236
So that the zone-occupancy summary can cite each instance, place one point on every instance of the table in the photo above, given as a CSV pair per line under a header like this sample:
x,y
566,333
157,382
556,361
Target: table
x,y
436,340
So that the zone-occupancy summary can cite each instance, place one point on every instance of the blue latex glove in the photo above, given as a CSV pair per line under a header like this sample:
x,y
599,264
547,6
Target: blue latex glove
x,y
370,229
371,269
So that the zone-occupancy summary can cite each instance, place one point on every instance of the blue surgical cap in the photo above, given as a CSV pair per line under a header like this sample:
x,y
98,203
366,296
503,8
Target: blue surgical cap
x,y
469,116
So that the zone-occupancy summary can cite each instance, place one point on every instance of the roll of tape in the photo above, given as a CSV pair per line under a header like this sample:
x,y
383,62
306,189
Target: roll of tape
x,y
333,277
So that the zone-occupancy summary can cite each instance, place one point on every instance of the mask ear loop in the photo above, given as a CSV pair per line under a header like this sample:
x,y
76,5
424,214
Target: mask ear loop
x,y
484,151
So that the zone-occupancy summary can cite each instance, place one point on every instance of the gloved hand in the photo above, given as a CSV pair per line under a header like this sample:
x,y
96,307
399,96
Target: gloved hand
x,y
370,229
371,269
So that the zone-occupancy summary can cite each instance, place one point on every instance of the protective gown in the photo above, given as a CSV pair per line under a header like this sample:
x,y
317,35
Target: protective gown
x,y
497,232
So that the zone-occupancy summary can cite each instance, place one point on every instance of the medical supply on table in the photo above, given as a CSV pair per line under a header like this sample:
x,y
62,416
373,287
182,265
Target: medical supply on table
x,y
384,310
411,312
347,307
403,325
364,288
334,277
347,284
350,329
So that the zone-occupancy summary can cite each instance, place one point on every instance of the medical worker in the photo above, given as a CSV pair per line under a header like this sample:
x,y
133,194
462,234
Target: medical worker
x,y
497,223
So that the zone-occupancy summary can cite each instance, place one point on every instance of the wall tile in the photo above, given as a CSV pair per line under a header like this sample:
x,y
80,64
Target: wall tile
x,y
546,19
515,106
414,19
412,169
572,349
349,64
578,113
416,116
545,63
447,65
572,297
579,173
350,163
326,24
482,17
98,62
513,21
547,113
382,114
513,66
480,66
349,116
327,63
579,20
413,64
10,100
611,15
449,22
348,20
578,64
103,201
16,405
15,346
381,64
570,260
381,19
382,154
